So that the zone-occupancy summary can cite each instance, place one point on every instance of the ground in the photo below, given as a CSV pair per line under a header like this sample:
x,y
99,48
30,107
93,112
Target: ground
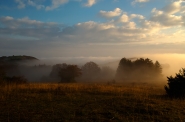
x,y
89,102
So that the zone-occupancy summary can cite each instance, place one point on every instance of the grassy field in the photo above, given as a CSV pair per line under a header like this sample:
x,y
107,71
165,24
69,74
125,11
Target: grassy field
x,y
87,102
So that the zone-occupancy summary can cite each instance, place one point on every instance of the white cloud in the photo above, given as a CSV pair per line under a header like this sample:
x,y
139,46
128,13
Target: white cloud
x,y
123,18
56,4
82,32
124,32
139,1
132,16
25,27
11,22
168,20
90,3
35,3
169,16
109,14
132,25
31,3
21,4
173,8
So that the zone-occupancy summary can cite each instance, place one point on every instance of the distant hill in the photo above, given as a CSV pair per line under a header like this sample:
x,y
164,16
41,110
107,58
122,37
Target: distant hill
x,y
17,58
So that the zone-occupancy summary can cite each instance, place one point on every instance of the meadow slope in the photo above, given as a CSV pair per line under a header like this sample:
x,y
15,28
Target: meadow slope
x,y
89,102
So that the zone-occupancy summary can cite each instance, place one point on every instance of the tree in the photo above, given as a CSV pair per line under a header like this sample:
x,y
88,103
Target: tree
x,y
140,69
90,71
10,74
176,85
124,69
69,73
157,68
56,69
91,68
66,73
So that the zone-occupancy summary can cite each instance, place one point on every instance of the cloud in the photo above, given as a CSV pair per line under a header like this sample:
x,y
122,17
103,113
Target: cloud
x,y
90,3
170,15
31,3
132,16
21,4
110,14
56,4
124,32
82,32
173,8
127,20
11,22
26,28
124,18
166,19
139,1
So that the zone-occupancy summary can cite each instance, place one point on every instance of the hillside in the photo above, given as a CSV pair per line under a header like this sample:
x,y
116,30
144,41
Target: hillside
x,y
17,58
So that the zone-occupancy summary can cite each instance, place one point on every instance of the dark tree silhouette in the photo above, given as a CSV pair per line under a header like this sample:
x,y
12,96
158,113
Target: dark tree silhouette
x,y
9,72
90,68
56,69
124,69
66,73
176,85
69,73
90,71
140,69
158,68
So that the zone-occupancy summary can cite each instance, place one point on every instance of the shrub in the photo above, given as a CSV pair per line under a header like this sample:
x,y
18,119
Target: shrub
x,y
176,85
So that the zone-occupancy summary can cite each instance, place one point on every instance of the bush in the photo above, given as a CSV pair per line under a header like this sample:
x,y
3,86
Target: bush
x,y
176,85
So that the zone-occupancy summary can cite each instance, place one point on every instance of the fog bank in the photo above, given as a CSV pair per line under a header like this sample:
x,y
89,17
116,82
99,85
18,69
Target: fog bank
x,y
171,62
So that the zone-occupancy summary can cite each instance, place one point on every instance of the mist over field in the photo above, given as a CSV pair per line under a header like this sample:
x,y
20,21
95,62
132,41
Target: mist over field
x,y
39,70
171,62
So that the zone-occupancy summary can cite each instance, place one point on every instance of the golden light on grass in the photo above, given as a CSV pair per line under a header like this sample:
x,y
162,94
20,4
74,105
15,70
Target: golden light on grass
x,y
88,102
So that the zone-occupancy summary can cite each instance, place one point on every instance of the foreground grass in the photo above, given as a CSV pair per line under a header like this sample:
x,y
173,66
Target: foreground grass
x,y
88,102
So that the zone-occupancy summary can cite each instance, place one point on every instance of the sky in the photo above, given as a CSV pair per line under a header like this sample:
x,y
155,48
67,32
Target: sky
x,y
93,29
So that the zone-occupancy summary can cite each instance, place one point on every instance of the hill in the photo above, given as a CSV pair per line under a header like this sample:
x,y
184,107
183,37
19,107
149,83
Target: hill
x,y
17,58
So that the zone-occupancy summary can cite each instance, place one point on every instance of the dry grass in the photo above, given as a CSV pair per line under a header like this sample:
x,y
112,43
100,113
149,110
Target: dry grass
x,y
89,102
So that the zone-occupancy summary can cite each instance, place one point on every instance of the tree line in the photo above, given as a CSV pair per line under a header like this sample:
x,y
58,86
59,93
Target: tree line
x,y
88,72
138,70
